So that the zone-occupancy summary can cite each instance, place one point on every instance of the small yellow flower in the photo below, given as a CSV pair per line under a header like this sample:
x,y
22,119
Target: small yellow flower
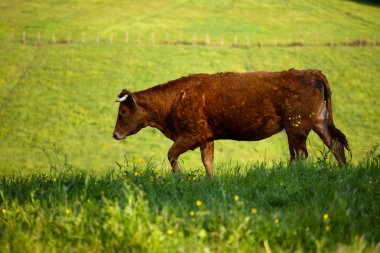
x,y
136,174
4,210
325,216
236,198
68,211
141,161
277,221
327,228
253,211
192,213
110,208
169,232
198,203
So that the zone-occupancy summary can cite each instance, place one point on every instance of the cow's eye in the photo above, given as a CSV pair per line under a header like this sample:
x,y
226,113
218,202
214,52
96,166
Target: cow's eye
x,y
122,112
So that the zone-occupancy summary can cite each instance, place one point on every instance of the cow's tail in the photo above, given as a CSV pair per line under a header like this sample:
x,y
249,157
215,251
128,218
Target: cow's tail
x,y
335,133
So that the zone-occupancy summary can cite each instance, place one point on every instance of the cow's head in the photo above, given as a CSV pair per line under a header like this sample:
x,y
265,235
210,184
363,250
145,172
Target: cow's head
x,y
131,117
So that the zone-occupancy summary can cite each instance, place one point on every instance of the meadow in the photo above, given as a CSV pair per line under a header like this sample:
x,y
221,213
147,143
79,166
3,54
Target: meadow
x,y
66,185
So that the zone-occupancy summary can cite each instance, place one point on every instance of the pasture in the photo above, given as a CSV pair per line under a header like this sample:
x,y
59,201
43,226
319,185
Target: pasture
x,y
67,185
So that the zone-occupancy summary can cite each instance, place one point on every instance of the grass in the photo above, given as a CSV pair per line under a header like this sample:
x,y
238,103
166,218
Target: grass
x,y
59,189
59,96
286,208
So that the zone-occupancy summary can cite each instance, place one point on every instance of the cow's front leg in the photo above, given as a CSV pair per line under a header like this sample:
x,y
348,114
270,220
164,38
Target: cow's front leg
x,y
180,146
207,153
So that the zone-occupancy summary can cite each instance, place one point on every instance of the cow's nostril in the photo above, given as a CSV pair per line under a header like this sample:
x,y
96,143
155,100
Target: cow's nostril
x,y
114,135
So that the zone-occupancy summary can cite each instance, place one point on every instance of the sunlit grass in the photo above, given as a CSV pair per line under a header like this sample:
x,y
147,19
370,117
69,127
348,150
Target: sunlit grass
x,y
308,207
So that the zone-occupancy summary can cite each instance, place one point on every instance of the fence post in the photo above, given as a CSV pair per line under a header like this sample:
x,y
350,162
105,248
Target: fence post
x,y
235,41
207,40
153,38
126,38
111,38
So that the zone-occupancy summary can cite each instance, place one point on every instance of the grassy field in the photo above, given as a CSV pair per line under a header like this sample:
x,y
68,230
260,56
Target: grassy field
x,y
67,185
255,208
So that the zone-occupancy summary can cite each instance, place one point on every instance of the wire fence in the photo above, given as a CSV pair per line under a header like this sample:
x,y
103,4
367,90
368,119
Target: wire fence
x,y
239,41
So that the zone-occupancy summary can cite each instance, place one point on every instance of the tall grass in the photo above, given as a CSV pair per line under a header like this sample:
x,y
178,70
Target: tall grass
x,y
134,208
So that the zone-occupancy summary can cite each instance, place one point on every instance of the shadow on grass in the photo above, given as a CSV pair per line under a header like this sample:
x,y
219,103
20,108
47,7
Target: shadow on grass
x,y
368,2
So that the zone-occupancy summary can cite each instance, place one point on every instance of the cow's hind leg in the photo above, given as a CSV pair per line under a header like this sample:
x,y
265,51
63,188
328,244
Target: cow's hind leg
x,y
180,146
207,153
297,142
336,147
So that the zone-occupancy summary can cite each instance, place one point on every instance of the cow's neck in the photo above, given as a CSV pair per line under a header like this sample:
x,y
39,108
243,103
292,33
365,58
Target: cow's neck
x,y
157,105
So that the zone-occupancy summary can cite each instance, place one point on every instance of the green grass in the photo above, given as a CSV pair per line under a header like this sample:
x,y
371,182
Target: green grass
x,y
252,208
60,96
59,189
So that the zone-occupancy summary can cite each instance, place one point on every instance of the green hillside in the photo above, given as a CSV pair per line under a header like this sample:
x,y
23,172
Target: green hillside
x,y
56,96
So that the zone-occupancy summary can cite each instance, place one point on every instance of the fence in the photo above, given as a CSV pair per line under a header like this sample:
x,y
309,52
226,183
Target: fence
x,y
241,41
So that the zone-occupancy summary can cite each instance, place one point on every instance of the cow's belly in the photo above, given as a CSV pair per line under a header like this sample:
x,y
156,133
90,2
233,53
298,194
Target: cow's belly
x,y
249,128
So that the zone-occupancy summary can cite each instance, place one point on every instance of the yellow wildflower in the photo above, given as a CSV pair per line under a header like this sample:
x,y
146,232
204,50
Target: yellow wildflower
x,y
236,198
192,213
170,232
136,174
198,203
277,221
68,211
327,228
325,216
253,211
4,211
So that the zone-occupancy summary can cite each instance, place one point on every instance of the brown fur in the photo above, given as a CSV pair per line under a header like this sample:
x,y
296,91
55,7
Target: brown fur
x,y
194,111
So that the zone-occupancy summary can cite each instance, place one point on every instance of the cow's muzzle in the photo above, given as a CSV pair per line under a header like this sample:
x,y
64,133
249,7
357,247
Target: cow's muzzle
x,y
117,136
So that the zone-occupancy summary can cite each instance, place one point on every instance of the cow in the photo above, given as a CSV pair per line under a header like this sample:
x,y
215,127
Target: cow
x,y
194,111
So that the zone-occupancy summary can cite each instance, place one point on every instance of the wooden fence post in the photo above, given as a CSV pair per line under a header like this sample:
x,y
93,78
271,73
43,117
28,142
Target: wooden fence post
x,y
126,39
235,41
207,40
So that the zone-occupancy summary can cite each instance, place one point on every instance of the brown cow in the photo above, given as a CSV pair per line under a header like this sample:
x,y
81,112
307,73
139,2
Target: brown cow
x,y
194,111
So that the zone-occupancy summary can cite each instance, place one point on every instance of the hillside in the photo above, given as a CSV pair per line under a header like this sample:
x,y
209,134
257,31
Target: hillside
x,y
57,88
